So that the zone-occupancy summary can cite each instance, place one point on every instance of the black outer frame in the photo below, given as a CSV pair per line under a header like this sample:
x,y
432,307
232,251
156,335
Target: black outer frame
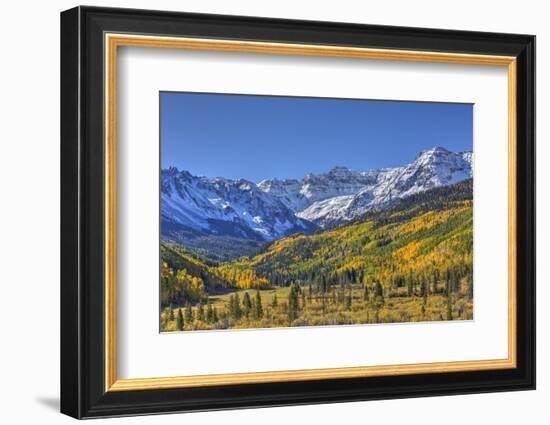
x,y
82,206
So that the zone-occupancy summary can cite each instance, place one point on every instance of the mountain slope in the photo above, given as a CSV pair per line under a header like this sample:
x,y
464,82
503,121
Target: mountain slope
x,y
420,236
202,213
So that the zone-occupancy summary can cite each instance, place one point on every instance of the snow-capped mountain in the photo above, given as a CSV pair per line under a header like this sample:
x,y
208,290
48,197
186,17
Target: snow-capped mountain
x,y
275,208
432,168
219,206
300,194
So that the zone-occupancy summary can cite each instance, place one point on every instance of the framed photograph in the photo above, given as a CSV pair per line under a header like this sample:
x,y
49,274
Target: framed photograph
x,y
261,212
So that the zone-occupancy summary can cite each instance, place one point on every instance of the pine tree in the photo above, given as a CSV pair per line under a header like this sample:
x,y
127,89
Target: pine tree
x,y
209,313
449,309
447,282
448,288
188,314
292,304
433,285
231,306
259,308
274,302
366,293
215,315
201,312
456,282
253,310
424,289
323,284
237,313
379,294
247,304
378,291
170,313
348,300
179,321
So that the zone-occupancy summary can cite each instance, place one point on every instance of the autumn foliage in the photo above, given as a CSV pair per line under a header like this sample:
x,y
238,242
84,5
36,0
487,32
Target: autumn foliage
x,y
412,261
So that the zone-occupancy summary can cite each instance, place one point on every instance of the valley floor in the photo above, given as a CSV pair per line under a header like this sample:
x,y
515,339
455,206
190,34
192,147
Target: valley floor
x,y
295,306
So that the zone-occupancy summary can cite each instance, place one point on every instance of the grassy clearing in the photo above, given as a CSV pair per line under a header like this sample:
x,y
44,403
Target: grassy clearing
x,y
330,309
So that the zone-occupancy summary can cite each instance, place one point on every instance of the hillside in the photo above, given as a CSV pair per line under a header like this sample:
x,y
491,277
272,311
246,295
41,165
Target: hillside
x,y
424,236
187,278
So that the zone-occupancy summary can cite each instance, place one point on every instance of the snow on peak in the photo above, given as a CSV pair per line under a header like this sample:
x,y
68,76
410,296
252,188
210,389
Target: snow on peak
x,y
340,171
277,207
435,150
223,206
431,168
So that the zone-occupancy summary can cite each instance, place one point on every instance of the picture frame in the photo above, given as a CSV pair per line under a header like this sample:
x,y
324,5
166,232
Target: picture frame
x,y
91,38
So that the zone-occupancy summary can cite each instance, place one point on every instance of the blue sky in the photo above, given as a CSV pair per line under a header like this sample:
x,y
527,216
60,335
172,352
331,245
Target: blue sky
x,y
259,137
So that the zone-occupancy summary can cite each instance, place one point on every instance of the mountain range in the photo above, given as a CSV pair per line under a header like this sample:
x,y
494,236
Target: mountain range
x,y
224,217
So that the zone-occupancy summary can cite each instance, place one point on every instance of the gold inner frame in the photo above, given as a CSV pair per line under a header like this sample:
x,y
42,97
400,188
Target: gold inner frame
x,y
113,41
